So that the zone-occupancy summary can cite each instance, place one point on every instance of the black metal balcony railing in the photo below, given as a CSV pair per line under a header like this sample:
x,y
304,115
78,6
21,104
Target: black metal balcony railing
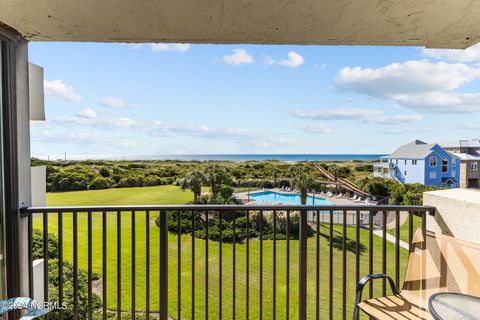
x,y
316,278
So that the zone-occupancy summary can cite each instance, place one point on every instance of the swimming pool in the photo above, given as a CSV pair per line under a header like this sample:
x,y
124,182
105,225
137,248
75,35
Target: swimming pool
x,y
285,198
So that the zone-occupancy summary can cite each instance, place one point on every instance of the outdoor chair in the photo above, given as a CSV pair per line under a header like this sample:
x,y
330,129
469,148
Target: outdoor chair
x,y
437,263
22,303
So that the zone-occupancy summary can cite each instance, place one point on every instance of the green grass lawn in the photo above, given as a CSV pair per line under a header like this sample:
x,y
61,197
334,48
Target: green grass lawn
x,y
172,195
417,223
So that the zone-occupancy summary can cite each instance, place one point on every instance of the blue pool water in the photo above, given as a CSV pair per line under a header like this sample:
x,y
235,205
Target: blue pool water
x,y
283,198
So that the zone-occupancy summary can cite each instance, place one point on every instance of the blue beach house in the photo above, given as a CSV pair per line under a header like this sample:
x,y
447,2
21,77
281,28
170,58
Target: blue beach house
x,y
420,162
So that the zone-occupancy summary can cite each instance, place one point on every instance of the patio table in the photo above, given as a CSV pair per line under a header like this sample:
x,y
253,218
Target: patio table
x,y
454,306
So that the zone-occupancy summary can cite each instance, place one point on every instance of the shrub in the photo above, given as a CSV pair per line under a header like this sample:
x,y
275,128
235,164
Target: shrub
x,y
101,183
104,172
37,245
68,297
131,181
152,181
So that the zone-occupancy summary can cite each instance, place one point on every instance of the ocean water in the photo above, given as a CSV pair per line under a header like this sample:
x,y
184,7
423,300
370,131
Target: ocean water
x,y
283,198
222,157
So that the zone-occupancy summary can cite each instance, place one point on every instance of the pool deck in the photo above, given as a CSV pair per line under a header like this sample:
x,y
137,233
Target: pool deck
x,y
344,200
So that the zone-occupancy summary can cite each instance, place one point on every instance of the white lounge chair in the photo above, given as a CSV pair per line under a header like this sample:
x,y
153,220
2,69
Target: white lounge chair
x,y
329,194
322,193
354,197
339,195
359,199
282,188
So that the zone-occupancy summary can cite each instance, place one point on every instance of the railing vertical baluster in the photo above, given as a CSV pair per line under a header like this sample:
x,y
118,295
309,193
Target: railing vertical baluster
x,y
274,265
330,268
220,268
344,264
261,263
410,230
357,249
302,277
147,265
424,222
247,283
397,248
384,252
132,215
45,257
163,265
370,251
75,264
30,254
119,265
179,265
89,262
206,264
234,269
288,266
60,263
193,265
317,266
104,265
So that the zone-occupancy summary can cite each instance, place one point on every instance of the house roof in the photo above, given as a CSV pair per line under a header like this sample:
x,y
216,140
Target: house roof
x,y
466,156
416,149
474,143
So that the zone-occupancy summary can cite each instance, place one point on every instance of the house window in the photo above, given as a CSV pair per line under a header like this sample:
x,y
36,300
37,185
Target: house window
x,y
396,161
433,162
405,162
474,166
444,165
433,175
414,162
405,173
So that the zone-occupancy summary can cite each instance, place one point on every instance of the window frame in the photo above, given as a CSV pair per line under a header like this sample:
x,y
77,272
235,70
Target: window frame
x,y
445,164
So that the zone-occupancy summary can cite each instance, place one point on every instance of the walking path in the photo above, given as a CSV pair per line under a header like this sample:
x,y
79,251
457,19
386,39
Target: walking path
x,y
391,238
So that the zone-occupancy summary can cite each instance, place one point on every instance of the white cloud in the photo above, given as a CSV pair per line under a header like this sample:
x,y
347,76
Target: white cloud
x,y
419,85
370,116
442,102
122,123
87,113
469,126
294,60
315,128
116,103
411,77
239,57
159,129
58,89
471,54
176,47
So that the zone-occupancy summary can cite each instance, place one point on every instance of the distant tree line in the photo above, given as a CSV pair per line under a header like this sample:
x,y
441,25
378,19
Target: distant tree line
x,y
93,175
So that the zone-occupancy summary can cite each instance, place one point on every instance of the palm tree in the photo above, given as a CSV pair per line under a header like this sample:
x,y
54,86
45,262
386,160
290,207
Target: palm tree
x,y
216,176
275,172
303,181
193,180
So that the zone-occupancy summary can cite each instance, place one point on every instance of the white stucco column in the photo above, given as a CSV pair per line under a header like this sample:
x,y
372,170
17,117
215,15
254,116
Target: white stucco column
x,y
457,214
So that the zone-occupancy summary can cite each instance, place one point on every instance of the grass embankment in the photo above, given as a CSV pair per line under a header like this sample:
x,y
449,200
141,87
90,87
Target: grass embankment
x,y
172,195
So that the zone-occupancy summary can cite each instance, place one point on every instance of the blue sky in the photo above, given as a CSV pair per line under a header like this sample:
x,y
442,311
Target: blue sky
x,y
128,100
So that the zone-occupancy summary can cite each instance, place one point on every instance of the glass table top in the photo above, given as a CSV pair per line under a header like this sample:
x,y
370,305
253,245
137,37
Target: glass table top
x,y
454,306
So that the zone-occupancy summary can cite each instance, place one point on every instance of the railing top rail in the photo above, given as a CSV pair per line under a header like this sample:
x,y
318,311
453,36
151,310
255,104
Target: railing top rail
x,y
114,208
